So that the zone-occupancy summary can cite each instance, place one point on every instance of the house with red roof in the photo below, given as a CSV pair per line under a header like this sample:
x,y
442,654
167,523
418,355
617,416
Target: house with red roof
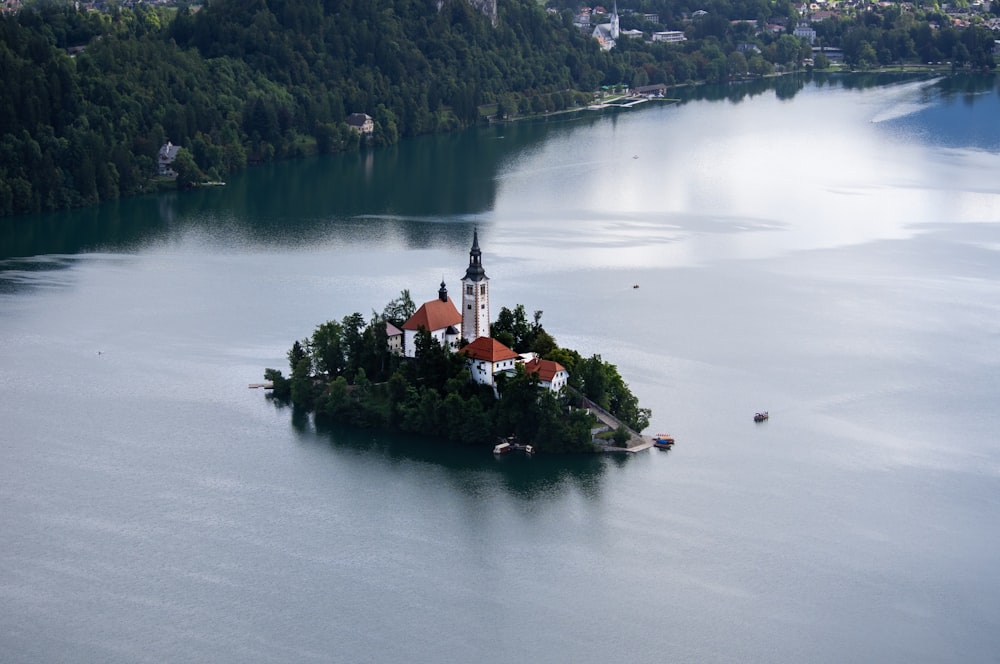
x,y
440,317
486,357
551,375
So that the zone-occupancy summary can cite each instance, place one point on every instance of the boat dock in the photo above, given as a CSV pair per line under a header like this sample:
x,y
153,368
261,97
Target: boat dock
x,y
626,102
266,386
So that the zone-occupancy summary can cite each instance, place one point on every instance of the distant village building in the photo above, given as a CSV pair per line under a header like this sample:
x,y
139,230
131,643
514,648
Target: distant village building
x,y
168,153
362,123
632,34
669,36
832,54
606,34
804,31
655,90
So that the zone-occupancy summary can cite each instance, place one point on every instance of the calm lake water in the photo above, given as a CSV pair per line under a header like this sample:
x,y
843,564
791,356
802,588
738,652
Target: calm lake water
x,y
827,251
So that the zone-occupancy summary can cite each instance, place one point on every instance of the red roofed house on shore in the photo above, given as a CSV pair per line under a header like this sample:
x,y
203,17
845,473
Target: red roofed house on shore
x,y
487,357
551,375
439,317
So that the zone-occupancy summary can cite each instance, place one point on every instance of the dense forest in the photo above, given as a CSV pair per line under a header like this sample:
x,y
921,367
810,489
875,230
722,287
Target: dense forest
x,y
345,372
90,96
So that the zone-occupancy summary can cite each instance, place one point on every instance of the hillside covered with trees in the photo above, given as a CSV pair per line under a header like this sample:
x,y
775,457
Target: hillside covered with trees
x,y
90,96
345,372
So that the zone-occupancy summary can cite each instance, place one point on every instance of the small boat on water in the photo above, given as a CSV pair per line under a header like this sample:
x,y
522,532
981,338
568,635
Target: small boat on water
x,y
502,448
663,440
760,417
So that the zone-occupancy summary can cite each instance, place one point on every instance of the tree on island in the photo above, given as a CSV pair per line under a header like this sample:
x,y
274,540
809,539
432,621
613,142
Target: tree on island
x,y
344,372
397,311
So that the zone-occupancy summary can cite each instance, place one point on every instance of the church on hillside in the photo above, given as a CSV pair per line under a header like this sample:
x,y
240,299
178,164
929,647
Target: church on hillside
x,y
607,34
467,331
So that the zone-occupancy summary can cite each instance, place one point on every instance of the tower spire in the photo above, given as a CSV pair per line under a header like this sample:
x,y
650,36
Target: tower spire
x,y
475,271
475,295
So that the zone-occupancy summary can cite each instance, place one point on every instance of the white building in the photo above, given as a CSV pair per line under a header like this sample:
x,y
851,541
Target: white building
x,y
607,33
439,317
486,358
669,36
804,31
475,295
394,337
166,159
362,123
551,375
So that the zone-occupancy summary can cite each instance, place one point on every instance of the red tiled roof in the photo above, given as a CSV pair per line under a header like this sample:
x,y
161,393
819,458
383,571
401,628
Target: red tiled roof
x,y
434,315
489,349
546,369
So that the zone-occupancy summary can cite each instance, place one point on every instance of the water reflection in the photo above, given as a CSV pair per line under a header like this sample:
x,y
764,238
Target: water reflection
x,y
119,225
474,471
659,183
351,197
36,272
697,183
956,112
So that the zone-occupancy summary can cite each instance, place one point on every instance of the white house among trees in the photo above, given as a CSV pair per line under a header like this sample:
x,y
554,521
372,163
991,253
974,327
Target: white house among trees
x,y
487,357
362,123
551,375
166,159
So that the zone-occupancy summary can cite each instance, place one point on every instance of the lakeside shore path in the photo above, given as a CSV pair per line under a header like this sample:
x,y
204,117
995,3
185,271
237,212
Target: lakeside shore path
x,y
636,442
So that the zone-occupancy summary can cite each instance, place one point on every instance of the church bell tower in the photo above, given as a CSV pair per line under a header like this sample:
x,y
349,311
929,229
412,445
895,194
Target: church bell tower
x,y
475,296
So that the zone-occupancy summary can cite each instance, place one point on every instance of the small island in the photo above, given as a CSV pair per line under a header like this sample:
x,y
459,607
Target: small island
x,y
414,369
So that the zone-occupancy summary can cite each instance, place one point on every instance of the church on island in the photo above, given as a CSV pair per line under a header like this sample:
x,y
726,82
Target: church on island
x,y
468,332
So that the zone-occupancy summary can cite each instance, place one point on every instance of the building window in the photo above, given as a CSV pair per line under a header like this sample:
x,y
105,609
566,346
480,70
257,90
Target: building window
x,y
468,289
482,289
482,306
470,307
